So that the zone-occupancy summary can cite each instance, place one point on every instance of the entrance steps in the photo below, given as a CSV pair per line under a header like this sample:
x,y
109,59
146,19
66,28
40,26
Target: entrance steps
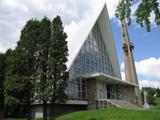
x,y
124,104
105,103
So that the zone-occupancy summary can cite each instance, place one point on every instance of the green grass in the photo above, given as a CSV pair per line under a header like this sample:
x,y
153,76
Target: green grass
x,y
112,114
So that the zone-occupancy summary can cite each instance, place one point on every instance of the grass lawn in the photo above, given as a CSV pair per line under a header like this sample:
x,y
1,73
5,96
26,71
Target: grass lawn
x,y
112,114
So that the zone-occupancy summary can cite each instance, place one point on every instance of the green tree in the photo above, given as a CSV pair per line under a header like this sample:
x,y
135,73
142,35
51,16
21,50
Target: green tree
x,y
21,68
27,48
36,69
158,92
143,12
51,58
42,82
15,93
58,52
14,85
2,78
150,94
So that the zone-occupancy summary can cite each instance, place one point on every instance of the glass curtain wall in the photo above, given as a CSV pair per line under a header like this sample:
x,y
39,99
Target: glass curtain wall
x,y
92,58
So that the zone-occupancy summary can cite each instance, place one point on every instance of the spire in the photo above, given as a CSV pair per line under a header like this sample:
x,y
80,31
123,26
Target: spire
x,y
130,70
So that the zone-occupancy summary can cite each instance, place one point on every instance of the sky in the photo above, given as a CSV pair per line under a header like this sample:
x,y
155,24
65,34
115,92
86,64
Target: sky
x,y
74,13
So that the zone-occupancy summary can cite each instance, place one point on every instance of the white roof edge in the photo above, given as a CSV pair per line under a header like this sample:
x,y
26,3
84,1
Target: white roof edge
x,y
77,102
110,77
107,34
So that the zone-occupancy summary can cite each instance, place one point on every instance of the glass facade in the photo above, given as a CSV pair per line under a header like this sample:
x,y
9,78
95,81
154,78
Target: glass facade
x,y
92,58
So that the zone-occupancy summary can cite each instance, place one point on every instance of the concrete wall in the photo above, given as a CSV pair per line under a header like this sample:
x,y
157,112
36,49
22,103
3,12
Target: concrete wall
x,y
127,93
101,90
91,93
95,90
37,111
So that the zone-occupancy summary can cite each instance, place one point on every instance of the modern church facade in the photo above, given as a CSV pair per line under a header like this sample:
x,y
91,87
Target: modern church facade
x,y
94,72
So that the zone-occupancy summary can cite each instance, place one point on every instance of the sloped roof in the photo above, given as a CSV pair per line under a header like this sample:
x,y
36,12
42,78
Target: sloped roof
x,y
75,43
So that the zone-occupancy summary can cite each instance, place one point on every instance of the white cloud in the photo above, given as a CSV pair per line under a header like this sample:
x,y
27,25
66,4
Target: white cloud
x,y
148,71
149,83
149,68
122,66
15,13
123,76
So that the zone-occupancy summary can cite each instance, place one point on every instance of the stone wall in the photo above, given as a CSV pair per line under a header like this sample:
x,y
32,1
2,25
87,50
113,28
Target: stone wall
x,y
127,93
101,90
91,93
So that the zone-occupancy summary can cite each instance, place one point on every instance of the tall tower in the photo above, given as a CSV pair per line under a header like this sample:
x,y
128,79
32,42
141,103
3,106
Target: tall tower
x,y
130,70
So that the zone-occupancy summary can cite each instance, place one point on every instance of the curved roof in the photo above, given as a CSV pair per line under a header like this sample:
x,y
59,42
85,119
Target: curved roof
x,y
75,43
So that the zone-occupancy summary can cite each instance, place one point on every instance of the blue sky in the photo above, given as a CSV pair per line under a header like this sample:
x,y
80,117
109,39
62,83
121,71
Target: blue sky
x,y
74,13
147,44
147,47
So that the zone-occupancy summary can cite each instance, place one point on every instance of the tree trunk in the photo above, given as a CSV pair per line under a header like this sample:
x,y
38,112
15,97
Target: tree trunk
x,y
52,113
4,112
28,106
1,111
29,111
44,110
2,95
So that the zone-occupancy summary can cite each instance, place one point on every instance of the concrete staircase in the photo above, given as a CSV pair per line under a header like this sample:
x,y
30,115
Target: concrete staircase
x,y
122,104
108,103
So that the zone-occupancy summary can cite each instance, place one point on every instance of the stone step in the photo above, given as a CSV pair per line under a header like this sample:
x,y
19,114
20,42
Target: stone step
x,y
123,104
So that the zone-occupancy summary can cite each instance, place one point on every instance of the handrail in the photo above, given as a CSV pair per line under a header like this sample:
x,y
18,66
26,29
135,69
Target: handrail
x,y
120,96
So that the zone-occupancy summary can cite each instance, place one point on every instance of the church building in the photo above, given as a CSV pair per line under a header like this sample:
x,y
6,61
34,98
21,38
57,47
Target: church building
x,y
94,72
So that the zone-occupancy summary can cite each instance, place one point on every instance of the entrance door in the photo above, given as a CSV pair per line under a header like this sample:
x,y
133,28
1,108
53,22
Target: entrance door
x,y
111,91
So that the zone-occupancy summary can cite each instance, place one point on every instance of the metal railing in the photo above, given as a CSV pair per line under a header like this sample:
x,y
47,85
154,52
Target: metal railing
x,y
122,97
105,103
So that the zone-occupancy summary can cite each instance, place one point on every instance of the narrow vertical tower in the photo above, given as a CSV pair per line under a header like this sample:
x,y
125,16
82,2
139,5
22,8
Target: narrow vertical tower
x,y
130,70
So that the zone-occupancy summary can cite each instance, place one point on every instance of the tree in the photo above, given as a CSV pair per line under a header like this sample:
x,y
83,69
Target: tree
x,y
20,71
51,58
158,92
14,85
36,69
27,48
15,93
2,78
143,12
42,83
150,94
58,52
